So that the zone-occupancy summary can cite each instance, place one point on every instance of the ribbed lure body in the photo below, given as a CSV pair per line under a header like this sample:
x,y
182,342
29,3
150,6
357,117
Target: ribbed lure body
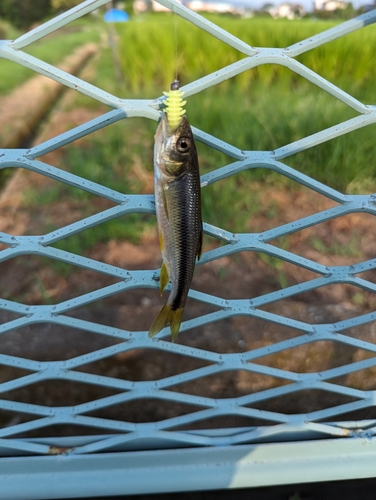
x,y
178,208
174,107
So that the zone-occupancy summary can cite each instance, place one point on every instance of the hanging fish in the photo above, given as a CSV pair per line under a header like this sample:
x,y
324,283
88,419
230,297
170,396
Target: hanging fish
x,y
178,207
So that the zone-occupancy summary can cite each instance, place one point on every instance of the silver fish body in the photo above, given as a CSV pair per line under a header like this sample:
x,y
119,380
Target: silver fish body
x,y
178,208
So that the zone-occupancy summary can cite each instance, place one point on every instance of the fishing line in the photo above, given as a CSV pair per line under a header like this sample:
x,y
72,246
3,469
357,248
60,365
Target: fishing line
x,y
175,42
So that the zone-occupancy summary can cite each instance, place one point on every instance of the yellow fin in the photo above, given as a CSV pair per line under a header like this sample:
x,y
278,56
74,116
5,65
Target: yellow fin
x,y
167,315
164,277
161,242
175,322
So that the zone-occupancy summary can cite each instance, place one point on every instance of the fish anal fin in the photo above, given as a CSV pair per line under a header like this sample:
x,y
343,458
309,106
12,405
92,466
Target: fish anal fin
x,y
164,277
167,315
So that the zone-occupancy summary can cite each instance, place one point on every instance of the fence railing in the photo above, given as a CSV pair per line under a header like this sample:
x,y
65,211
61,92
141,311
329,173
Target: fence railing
x,y
181,451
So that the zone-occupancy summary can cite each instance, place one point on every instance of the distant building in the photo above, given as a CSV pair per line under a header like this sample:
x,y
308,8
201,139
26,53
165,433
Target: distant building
x,y
285,10
330,5
157,7
140,6
219,7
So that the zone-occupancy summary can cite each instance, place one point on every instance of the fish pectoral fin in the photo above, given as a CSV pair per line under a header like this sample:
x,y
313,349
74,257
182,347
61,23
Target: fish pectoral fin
x,y
200,244
164,277
167,315
161,242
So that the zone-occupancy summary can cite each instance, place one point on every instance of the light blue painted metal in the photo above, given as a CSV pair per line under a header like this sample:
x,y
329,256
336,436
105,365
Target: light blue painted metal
x,y
187,470
82,467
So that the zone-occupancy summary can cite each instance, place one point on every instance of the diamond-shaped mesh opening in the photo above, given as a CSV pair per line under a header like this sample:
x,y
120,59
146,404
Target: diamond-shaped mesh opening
x,y
257,333
237,334
297,200
219,52
219,337
312,357
366,331
363,414
339,155
10,418
145,410
314,58
58,393
225,422
46,204
305,401
58,431
132,309
6,316
53,342
362,378
248,275
229,384
40,280
333,303
143,365
343,241
8,373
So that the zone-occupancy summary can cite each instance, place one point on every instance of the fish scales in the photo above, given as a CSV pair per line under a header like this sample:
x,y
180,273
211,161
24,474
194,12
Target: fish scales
x,y
178,207
184,203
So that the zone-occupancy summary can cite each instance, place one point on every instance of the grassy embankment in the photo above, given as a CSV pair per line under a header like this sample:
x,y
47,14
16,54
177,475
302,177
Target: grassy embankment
x,y
262,109
51,49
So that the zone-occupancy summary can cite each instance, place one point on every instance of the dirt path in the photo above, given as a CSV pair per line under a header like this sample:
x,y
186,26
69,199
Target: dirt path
x,y
22,111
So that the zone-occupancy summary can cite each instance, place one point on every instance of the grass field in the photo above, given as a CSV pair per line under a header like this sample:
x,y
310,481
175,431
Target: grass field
x,y
262,109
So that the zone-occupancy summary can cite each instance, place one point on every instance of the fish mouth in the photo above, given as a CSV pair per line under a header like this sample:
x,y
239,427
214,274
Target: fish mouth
x,y
166,131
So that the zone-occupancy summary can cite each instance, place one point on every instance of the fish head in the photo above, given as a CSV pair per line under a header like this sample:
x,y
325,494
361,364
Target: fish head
x,y
175,150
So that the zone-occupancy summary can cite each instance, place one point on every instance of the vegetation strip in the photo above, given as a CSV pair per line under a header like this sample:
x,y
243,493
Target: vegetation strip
x,y
20,117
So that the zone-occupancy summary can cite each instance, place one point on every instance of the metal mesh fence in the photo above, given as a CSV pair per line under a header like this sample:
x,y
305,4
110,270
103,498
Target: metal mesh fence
x,y
189,425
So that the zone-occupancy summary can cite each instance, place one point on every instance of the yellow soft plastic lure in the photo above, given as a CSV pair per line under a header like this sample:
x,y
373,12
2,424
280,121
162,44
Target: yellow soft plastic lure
x,y
174,105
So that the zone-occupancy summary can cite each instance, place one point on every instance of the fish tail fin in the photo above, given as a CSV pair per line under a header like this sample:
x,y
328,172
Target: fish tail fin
x,y
167,315
175,322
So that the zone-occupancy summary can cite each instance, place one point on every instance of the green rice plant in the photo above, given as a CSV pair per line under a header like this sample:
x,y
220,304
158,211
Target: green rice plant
x,y
266,107
147,50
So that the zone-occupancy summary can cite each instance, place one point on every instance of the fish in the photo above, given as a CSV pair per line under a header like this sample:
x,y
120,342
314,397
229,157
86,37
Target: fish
x,y
179,216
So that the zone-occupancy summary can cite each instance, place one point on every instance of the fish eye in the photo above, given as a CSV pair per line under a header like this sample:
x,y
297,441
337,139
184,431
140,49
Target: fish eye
x,y
183,145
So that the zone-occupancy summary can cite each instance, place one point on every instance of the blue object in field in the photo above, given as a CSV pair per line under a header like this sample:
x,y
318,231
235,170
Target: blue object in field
x,y
116,16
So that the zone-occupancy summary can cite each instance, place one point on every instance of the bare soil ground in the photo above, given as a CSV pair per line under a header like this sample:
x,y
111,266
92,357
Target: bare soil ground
x,y
342,241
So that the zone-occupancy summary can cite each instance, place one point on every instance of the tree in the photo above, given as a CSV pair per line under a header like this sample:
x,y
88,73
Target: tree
x,y
63,5
24,13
